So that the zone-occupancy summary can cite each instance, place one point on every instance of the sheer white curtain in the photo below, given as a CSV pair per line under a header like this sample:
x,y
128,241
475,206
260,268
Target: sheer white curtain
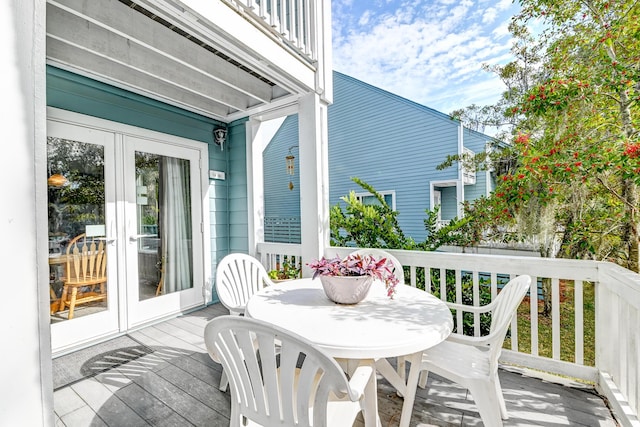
x,y
175,223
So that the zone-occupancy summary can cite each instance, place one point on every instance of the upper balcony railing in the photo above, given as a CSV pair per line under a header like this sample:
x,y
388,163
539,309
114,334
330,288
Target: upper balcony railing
x,y
581,319
295,22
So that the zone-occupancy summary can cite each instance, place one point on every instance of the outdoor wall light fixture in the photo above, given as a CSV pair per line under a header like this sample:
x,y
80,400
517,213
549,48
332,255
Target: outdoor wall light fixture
x,y
220,137
290,164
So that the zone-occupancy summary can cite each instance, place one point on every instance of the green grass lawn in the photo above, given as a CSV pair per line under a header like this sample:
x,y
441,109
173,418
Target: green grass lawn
x,y
567,326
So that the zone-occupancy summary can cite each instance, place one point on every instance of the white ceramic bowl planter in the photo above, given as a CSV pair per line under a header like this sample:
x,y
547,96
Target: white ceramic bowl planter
x,y
346,289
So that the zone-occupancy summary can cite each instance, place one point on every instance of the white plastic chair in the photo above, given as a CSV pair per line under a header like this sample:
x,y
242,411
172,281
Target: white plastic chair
x,y
302,387
473,361
238,277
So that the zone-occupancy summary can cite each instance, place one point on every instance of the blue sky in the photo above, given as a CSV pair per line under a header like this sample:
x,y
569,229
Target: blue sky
x,y
429,51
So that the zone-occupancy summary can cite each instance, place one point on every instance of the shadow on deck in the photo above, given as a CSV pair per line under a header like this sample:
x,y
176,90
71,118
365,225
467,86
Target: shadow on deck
x,y
162,376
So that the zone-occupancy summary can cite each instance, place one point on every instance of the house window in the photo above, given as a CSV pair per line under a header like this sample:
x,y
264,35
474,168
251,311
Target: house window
x,y
468,168
370,199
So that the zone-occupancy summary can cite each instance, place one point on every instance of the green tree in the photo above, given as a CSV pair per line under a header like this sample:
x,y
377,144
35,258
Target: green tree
x,y
581,123
376,225
367,225
574,163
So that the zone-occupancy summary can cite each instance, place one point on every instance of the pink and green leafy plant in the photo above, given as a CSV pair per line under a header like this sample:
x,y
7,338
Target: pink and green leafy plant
x,y
358,265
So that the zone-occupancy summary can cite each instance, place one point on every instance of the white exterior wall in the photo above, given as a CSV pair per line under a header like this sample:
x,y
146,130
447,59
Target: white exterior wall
x,y
26,388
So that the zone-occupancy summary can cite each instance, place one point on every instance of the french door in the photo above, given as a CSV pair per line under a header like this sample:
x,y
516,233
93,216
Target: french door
x,y
133,198
164,242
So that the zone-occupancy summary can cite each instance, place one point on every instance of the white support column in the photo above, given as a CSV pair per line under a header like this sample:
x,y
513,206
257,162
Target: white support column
x,y
26,389
314,178
255,185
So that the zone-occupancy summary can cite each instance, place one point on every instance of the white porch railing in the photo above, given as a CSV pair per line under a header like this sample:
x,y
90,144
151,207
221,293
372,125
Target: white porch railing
x,y
616,310
282,229
293,21
271,255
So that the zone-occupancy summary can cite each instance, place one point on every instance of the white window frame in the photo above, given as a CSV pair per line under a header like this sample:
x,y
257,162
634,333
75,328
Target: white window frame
x,y
468,170
391,193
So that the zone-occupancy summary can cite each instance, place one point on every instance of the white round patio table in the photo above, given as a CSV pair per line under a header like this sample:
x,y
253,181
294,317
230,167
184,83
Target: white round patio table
x,y
376,328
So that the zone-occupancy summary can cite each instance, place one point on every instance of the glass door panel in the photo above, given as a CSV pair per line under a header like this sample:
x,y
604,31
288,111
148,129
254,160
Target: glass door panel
x,y
164,225
76,222
80,197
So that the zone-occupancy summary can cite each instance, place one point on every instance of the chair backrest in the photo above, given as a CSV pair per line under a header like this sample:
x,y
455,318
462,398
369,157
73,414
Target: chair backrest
x,y
379,253
238,277
506,304
86,260
271,390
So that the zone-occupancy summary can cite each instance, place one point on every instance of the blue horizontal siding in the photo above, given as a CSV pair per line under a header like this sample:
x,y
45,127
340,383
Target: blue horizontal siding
x,y
72,92
388,141
280,201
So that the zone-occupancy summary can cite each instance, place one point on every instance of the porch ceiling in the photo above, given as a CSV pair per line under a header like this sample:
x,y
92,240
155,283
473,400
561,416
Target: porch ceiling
x,y
135,46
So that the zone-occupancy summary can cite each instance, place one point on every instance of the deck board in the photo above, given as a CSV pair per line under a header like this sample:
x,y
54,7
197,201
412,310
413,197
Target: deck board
x,y
177,385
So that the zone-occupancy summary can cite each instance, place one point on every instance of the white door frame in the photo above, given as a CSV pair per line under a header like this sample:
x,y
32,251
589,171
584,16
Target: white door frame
x,y
64,334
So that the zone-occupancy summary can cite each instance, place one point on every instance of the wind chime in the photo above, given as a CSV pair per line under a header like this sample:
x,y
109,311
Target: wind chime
x,y
291,165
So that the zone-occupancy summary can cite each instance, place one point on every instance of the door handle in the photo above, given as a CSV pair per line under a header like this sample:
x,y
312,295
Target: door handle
x,y
111,240
135,237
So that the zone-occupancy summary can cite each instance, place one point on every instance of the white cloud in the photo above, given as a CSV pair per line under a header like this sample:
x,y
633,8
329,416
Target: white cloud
x,y
364,19
428,51
489,15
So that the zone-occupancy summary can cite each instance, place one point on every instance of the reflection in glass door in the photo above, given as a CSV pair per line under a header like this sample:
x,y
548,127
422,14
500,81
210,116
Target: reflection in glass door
x,y
164,225
77,247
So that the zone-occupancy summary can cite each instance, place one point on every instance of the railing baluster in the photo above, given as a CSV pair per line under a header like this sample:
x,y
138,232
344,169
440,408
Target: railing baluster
x,y
555,317
291,15
412,273
459,313
579,321
514,326
533,314
443,285
427,280
307,27
294,20
262,8
274,15
494,285
476,303
299,28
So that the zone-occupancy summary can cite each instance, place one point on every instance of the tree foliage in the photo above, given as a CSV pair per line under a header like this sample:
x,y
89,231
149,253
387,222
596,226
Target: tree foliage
x,y
376,225
367,225
575,134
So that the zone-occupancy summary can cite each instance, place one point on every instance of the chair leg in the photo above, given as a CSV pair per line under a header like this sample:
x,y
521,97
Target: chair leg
x,y
424,376
498,391
63,297
224,382
401,366
370,412
72,302
488,404
54,302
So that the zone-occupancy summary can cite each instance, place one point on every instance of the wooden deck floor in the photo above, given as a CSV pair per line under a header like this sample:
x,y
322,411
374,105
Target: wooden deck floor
x,y
162,376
